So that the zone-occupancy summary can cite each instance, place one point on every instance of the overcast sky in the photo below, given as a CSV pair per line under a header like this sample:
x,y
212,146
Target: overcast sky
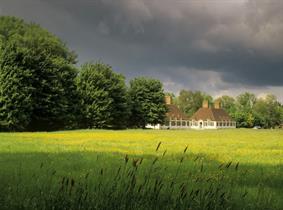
x,y
216,46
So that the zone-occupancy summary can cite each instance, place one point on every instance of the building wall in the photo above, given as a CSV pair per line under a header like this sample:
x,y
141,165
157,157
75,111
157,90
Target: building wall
x,y
157,127
223,124
188,124
200,124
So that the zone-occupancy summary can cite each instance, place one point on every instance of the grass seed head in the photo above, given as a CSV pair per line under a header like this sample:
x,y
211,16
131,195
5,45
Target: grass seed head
x,y
229,164
135,163
86,176
172,184
185,150
126,159
140,188
158,146
220,166
237,165
201,167
72,182
155,160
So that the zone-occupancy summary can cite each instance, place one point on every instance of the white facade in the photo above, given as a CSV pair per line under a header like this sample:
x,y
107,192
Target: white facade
x,y
156,127
205,118
174,123
208,124
193,124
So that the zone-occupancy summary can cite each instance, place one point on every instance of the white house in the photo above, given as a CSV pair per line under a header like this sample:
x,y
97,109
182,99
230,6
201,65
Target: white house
x,y
212,117
175,118
205,118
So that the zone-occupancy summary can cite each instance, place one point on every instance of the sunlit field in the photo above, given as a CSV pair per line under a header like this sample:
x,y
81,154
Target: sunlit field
x,y
142,169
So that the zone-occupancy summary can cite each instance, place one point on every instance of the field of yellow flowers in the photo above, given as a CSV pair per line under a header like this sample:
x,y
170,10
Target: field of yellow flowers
x,y
142,169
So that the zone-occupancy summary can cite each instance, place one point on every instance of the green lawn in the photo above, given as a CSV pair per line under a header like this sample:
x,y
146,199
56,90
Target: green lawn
x,y
99,169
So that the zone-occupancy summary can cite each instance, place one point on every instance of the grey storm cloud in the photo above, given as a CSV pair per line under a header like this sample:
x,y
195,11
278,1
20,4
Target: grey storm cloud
x,y
222,43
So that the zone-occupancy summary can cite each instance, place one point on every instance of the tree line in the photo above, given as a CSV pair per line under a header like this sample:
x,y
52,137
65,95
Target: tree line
x,y
246,109
41,88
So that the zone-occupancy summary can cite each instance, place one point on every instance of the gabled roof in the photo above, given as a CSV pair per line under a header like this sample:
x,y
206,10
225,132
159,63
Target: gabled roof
x,y
211,114
175,112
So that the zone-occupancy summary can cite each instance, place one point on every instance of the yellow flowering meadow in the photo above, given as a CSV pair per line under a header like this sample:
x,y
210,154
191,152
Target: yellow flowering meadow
x,y
243,145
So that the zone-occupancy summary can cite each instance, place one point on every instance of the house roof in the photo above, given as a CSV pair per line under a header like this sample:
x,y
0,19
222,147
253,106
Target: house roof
x,y
175,112
211,114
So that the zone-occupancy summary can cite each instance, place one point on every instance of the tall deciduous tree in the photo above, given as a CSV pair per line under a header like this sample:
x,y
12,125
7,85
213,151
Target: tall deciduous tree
x,y
244,114
268,112
189,102
228,103
147,102
37,78
104,100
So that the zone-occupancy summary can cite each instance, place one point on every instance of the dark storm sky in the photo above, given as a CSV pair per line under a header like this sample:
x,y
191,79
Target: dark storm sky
x,y
217,46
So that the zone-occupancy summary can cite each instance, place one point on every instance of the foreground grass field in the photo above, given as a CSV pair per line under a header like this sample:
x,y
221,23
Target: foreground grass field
x,y
98,169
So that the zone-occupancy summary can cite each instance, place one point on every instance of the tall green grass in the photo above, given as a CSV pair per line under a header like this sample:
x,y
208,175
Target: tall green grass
x,y
160,179
134,183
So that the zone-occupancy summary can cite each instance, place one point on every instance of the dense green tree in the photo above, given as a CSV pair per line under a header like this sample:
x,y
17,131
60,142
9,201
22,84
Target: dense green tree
x,y
104,100
281,114
37,78
246,100
189,102
249,111
244,114
147,102
228,103
268,112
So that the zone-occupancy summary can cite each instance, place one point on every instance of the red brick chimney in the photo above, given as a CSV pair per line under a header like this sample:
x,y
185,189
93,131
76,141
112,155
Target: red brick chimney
x,y
217,104
205,104
168,100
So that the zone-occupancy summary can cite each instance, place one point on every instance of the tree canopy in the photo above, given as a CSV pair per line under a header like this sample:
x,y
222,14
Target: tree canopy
x,y
147,102
189,101
103,93
268,112
37,78
246,109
